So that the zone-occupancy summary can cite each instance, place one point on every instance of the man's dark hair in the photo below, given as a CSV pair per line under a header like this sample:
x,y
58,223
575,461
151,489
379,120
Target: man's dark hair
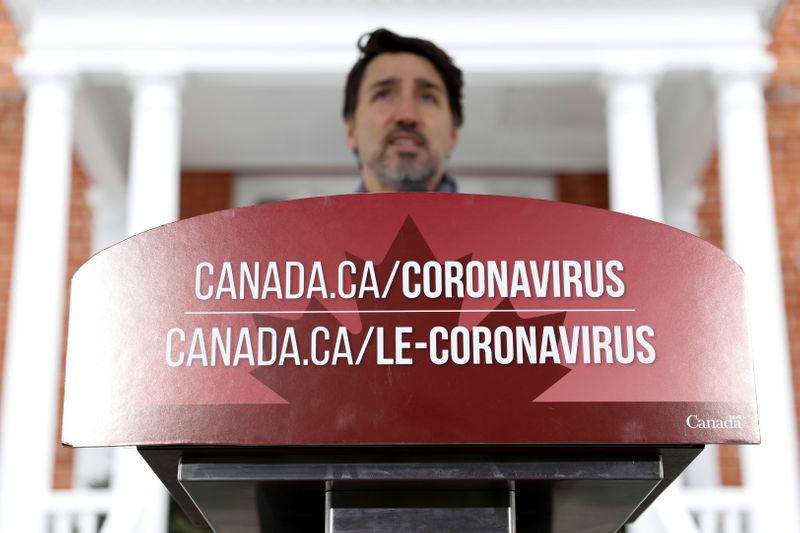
x,y
383,41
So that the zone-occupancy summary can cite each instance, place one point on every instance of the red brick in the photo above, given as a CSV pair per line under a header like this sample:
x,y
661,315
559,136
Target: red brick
x,y
204,192
585,189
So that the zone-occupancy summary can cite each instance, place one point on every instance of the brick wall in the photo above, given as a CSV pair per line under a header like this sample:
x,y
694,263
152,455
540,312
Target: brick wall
x,y
11,104
12,113
783,115
783,128
9,50
204,192
11,110
585,189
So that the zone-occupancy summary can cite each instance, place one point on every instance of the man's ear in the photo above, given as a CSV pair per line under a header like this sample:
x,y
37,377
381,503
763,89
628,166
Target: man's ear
x,y
350,133
455,135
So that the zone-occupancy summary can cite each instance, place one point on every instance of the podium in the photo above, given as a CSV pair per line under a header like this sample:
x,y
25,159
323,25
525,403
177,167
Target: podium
x,y
411,362
476,489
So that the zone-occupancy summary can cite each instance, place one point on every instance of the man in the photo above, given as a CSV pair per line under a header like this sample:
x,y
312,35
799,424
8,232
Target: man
x,y
402,113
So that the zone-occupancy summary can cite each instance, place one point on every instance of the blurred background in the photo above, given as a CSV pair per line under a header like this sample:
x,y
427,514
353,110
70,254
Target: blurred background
x,y
120,115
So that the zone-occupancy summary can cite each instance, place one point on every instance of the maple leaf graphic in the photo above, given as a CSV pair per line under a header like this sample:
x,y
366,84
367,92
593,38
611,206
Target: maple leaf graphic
x,y
371,396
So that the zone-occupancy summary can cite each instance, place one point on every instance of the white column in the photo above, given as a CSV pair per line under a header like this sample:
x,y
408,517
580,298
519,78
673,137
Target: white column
x,y
108,215
635,189
634,183
107,195
154,176
153,200
750,234
106,198
34,339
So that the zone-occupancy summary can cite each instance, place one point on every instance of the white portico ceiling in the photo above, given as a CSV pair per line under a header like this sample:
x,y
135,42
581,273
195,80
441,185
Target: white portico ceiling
x,y
263,78
538,129
510,126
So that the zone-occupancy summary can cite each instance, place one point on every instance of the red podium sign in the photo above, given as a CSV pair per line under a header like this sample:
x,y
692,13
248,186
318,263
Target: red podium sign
x,y
409,318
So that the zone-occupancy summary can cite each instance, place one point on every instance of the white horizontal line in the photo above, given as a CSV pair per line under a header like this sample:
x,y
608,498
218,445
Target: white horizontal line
x,y
384,311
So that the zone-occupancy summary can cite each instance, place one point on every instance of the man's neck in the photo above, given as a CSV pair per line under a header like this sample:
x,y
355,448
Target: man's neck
x,y
444,184
373,184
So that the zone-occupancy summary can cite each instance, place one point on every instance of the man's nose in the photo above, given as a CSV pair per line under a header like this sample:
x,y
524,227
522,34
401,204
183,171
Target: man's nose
x,y
407,111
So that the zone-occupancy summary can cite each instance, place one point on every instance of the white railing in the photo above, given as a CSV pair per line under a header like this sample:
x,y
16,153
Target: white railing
x,y
713,509
719,509
77,510
136,502
698,509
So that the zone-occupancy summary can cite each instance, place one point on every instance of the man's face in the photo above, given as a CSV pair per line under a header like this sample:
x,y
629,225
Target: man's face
x,y
402,128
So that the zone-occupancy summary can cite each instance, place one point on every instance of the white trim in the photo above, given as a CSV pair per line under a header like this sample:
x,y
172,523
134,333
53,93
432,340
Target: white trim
x,y
291,41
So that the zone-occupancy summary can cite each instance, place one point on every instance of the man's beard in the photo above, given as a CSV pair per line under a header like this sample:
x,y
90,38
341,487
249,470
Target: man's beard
x,y
406,173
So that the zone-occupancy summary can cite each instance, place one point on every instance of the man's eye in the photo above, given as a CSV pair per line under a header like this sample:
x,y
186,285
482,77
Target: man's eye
x,y
429,98
381,95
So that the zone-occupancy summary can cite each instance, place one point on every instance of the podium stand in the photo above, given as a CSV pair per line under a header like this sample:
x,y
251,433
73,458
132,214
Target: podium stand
x,y
476,489
411,362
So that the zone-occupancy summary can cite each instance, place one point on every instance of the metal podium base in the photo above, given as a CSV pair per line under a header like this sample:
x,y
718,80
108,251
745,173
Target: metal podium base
x,y
424,507
417,489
